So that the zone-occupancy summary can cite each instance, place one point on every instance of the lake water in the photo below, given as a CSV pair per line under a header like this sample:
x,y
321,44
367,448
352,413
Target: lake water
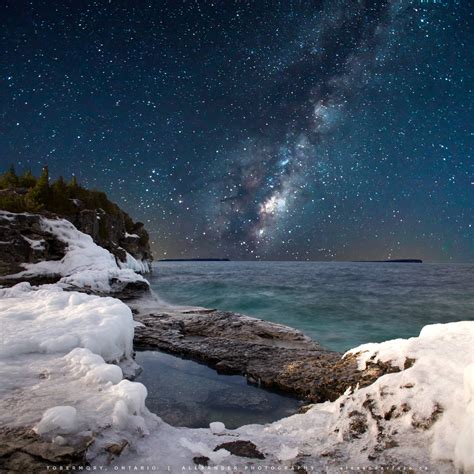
x,y
185,393
340,305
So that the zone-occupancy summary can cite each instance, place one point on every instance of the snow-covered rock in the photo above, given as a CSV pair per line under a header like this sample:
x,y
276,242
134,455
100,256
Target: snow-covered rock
x,y
50,320
85,265
419,417
61,419
55,367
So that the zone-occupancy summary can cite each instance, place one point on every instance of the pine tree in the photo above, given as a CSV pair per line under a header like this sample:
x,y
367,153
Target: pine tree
x,y
58,197
38,197
27,180
9,179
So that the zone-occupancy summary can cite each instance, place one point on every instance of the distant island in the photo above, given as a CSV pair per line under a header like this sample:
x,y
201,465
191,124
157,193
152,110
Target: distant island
x,y
398,260
194,260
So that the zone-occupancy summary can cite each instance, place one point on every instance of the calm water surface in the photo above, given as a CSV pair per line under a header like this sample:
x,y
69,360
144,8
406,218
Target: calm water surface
x,y
185,393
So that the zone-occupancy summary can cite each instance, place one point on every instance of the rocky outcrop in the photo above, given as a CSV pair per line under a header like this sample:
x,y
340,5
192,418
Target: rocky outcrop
x,y
23,240
28,239
245,449
116,232
268,354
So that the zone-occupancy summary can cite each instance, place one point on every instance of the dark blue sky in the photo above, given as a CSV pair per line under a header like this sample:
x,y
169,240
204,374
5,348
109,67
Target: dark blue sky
x,y
254,129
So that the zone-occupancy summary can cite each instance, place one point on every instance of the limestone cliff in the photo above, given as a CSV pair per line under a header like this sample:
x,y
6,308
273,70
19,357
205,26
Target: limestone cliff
x,y
24,240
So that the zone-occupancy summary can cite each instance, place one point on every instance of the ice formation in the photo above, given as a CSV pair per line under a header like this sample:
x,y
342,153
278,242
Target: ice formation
x,y
50,320
86,264
55,365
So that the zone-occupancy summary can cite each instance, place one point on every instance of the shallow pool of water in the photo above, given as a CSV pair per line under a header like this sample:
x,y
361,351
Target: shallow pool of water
x,y
185,393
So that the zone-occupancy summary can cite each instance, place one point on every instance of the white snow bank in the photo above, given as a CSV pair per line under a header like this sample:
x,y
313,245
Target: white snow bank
x,y
439,387
217,427
85,265
52,367
83,363
50,320
62,419
420,416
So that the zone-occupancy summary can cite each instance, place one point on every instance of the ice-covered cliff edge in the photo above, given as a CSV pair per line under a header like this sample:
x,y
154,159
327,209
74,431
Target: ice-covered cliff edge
x,y
53,249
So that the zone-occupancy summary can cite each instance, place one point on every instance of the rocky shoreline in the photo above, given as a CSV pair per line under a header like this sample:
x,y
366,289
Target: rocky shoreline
x,y
270,355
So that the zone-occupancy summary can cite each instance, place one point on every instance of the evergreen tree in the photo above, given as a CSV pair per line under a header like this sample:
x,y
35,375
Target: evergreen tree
x,y
9,179
58,198
38,197
27,180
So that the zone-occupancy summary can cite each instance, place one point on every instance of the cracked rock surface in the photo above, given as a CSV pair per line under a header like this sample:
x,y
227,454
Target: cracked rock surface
x,y
272,355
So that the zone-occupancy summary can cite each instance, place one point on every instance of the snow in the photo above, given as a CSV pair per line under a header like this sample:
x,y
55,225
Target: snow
x,y
83,363
50,320
54,367
131,402
286,453
443,374
62,419
133,236
85,265
463,452
35,244
217,427
139,266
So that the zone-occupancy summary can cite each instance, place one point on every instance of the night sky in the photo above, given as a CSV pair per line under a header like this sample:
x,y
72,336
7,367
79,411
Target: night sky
x,y
292,130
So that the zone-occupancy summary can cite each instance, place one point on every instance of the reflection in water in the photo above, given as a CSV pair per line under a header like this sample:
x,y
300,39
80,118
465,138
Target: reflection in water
x,y
185,393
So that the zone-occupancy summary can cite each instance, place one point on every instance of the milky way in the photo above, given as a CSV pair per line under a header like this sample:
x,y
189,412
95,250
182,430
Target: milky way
x,y
338,57
254,129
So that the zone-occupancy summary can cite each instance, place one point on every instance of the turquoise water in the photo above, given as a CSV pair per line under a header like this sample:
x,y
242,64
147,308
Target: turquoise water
x,y
185,393
340,305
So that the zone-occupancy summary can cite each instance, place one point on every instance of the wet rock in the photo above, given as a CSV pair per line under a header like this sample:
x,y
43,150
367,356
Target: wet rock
x,y
245,449
305,408
128,290
201,460
225,367
270,355
22,450
116,449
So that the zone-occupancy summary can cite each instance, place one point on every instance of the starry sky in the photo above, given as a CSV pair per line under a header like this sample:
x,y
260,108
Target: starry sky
x,y
275,130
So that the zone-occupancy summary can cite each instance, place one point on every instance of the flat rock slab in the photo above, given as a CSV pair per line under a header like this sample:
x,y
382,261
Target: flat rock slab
x,y
23,451
272,355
